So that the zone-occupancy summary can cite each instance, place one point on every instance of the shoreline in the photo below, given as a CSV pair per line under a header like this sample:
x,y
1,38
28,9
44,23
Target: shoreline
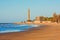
x,y
37,27
11,31
47,32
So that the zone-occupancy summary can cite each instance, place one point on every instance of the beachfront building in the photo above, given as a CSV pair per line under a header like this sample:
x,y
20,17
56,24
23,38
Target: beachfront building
x,y
42,19
38,19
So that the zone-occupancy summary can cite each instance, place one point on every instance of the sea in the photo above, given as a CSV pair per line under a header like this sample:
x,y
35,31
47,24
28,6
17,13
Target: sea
x,y
11,27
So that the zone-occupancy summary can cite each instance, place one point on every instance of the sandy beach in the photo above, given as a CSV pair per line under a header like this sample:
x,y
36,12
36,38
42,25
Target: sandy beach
x,y
49,31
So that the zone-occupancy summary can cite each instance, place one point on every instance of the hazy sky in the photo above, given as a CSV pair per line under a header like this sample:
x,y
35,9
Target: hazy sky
x,y
16,10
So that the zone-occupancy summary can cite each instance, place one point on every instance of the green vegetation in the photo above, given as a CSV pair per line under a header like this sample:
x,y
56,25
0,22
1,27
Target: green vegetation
x,y
54,18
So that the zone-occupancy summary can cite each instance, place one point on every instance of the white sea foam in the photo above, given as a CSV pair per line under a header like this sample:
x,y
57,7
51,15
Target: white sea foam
x,y
7,31
24,25
30,25
35,25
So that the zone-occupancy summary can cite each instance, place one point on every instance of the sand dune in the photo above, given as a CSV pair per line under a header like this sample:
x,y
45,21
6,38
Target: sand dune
x,y
49,31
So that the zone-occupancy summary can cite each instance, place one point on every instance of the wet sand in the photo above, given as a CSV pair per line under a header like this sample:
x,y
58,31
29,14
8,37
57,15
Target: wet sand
x,y
48,31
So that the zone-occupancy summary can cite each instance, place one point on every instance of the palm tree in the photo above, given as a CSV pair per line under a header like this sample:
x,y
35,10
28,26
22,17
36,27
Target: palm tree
x,y
50,18
55,17
59,18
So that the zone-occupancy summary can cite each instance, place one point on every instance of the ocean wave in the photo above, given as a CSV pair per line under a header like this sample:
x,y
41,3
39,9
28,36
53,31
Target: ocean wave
x,y
7,31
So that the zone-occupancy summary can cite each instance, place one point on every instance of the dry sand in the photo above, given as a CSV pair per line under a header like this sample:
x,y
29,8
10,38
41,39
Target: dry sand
x,y
49,31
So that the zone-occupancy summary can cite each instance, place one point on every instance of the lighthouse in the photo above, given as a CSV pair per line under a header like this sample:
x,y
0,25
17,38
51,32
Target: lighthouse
x,y
28,15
